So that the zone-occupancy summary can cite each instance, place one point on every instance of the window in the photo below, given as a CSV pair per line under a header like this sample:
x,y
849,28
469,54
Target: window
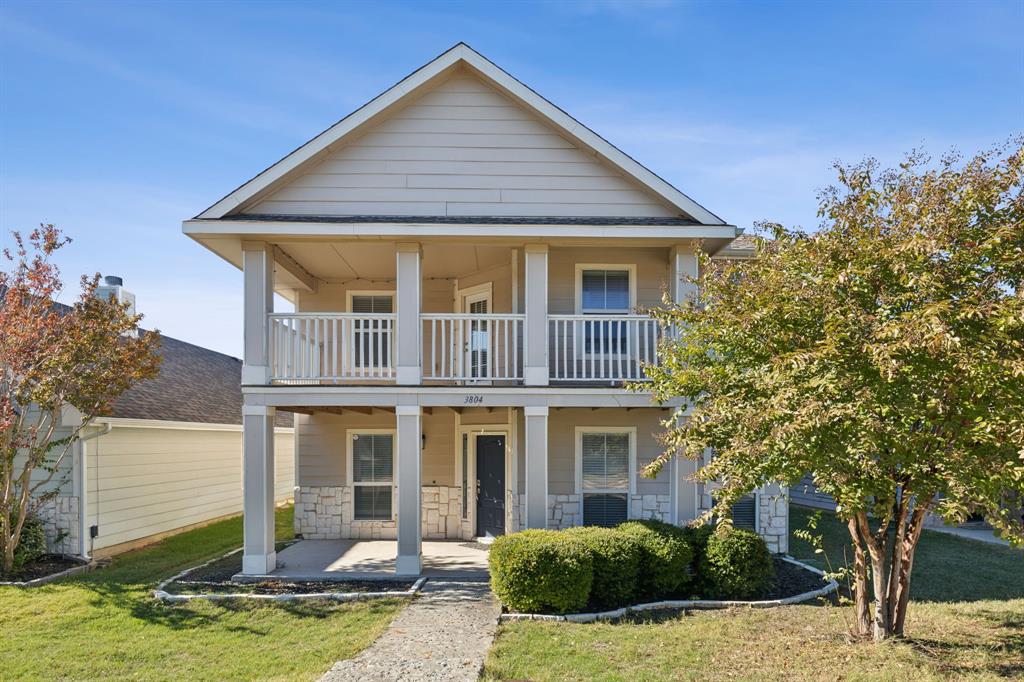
x,y
604,291
372,456
604,469
744,513
372,337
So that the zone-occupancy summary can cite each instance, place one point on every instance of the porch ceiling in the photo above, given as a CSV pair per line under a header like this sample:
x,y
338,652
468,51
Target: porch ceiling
x,y
376,260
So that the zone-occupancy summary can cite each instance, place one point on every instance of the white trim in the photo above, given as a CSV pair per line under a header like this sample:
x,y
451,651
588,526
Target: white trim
x,y
460,53
486,290
125,422
714,236
631,490
371,292
629,267
356,431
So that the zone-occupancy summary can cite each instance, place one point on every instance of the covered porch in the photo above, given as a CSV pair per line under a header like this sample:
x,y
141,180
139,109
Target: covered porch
x,y
347,559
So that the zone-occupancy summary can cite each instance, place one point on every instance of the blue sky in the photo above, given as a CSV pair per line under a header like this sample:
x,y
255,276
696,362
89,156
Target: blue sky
x,y
119,119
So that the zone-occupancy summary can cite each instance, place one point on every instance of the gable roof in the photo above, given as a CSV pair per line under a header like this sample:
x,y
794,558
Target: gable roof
x,y
195,384
459,55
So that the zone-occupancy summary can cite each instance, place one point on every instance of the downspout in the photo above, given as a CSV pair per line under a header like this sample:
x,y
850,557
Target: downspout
x,y
83,470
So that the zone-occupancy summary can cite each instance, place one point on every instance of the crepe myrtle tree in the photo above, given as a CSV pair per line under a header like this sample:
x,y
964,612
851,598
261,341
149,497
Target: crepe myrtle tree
x,y
53,358
883,353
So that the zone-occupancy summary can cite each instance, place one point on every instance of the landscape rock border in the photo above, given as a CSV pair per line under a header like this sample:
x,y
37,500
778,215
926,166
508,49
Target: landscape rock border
x,y
163,595
615,614
85,567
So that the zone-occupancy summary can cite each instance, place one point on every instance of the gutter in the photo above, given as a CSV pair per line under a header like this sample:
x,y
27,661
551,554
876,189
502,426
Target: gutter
x,y
83,471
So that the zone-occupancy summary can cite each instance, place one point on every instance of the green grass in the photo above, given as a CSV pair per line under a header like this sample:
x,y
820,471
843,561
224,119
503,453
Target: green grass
x,y
106,625
966,621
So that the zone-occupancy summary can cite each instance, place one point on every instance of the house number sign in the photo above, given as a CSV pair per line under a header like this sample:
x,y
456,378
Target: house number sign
x,y
474,399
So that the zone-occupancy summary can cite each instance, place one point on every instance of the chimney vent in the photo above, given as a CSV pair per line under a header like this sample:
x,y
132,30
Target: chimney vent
x,y
113,289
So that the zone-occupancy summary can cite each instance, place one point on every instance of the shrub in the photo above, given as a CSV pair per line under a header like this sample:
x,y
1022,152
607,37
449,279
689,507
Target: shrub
x,y
541,571
616,558
32,545
665,557
697,537
737,564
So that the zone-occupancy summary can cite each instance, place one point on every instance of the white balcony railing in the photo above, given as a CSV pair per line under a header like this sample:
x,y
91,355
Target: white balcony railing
x,y
472,348
608,348
329,347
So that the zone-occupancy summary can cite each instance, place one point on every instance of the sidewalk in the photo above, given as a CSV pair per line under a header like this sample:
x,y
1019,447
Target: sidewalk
x,y
443,635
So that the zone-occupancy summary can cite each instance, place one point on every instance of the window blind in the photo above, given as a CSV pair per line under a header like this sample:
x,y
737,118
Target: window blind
x,y
605,461
605,290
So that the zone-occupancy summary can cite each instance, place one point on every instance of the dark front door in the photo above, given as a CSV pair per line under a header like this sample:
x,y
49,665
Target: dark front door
x,y
490,475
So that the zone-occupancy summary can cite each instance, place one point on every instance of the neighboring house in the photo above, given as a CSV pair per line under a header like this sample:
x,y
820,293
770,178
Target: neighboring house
x,y
469,266
167,457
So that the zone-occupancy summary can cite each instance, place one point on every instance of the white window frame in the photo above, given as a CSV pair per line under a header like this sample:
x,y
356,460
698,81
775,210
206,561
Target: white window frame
x,y
631,489
349,433
349,295
630,267
581,352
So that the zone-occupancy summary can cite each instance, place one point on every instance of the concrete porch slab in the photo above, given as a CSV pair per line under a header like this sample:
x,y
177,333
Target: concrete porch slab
x,y
375,560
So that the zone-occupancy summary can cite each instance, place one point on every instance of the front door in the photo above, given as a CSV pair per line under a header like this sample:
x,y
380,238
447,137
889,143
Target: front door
x,y
490,495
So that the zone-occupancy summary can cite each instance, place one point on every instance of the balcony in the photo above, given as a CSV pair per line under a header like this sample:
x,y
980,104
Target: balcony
x,y
460,349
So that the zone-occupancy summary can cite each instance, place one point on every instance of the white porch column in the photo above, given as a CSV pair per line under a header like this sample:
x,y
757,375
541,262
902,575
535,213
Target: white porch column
x,y
408,357
683,264
258,287
259,556
536,467
535,334
408,490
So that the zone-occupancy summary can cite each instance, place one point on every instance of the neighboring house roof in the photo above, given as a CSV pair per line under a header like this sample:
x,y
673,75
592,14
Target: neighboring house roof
x,y
461,55
195,384
743,247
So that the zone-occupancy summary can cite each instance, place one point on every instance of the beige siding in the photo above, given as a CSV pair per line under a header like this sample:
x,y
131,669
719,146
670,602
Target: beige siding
x,y
651,264
323,447
462,149
146,481
323,451
562,425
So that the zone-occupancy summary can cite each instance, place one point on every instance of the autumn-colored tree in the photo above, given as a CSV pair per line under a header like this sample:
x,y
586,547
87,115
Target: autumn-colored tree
x,y
883,353
52,358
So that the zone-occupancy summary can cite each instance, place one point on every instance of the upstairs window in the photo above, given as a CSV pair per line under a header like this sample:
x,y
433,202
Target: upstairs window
x,y
605,291
372,337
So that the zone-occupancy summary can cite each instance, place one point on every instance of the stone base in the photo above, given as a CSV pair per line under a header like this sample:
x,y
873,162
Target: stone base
x,y
773,518
657,507
326,513
61,521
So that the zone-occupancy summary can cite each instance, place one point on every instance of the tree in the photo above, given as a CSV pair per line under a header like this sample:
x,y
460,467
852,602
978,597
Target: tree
x,y
53,357
883,353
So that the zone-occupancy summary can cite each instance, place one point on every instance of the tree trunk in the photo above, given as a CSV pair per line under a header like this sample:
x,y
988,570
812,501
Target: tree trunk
x,y
862,619
881,626
907,549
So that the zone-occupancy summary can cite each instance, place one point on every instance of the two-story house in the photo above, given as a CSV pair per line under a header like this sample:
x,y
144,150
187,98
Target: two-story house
x,y
468,265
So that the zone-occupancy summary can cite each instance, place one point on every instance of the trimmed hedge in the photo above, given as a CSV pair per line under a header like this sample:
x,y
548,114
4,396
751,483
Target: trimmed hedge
x,y
32,545
616,558
547,571
541,571
736,564
665,559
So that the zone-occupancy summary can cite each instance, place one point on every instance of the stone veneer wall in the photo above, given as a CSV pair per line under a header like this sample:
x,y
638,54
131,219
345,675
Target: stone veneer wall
x,y
325,513
60,519
657,507
773,518
564,511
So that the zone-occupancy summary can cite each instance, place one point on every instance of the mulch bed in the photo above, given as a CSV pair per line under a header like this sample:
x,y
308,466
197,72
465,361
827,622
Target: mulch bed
x,y
190,586
48,565
791,580
215,578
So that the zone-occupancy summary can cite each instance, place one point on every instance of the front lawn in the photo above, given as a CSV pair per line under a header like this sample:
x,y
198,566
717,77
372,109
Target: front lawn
x,y
106,625
966,620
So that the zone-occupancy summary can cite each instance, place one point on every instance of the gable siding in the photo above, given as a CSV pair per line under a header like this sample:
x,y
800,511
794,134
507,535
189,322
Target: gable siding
x,y
462,149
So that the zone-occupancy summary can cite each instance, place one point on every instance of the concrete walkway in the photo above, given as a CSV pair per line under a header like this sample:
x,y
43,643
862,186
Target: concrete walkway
x,y
979,534
443,635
